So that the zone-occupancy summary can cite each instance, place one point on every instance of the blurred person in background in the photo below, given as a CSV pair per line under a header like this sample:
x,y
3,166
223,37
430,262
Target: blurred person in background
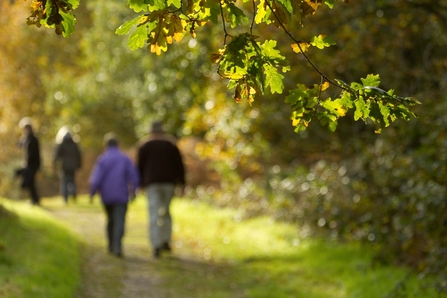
x,y
116,178
67,159
31,160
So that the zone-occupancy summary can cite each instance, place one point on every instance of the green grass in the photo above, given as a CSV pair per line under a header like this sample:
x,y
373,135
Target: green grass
x,y
261,258
215,254
38,256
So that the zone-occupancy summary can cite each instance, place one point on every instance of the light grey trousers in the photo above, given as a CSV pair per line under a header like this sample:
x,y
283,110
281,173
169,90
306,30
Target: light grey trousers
x,y
160,222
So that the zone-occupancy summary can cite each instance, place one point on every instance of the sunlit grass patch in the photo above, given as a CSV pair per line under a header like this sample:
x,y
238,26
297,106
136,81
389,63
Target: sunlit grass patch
x,y
38,256
217,253
263,258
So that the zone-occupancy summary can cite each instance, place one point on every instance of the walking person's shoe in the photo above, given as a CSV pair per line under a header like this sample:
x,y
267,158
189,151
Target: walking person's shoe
x,y
157,252
166,247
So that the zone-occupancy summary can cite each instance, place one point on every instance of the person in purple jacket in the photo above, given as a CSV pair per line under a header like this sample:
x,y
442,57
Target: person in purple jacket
x,y
116,178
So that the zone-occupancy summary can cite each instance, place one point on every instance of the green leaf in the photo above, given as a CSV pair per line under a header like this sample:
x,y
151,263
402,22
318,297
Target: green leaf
x,y
385,111
269,50
287,4
332,125
175,3
335,107
138,38
235,15
262,13
273,79
300,96
214,12
127,26
322,41
157,5
138,5
371,80
329,3
271,61
361,109
328,119
68,23
235,58
374,113
74,3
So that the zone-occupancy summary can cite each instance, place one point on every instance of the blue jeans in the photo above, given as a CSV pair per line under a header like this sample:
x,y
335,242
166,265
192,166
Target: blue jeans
x,y
116,216
160,221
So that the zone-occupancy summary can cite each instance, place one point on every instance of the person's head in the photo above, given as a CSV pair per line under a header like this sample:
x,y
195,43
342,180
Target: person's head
x,y
67,137
110,140
28,129
25,125
157,127
62,134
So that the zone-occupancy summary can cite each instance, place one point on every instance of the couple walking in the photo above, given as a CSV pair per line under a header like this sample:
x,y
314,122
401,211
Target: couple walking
x,y
159,169
66,156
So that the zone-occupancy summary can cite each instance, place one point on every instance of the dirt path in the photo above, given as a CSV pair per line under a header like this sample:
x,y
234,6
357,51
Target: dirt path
x,y
182,274
103,275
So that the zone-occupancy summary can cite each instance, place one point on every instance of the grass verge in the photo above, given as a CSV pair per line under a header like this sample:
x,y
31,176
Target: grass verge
x,y
262,258
38,256
216,253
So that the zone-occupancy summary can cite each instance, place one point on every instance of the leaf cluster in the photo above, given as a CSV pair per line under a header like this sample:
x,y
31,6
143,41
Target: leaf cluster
x,y
252,67
56,14
366,98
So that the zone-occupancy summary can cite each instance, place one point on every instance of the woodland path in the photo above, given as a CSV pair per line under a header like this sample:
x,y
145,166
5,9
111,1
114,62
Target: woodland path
x,y
138,274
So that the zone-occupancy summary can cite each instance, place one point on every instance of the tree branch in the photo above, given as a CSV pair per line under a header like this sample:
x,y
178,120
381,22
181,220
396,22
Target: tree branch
x,y
223,21
301,50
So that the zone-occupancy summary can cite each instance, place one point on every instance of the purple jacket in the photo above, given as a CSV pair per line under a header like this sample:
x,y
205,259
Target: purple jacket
x,y
113,176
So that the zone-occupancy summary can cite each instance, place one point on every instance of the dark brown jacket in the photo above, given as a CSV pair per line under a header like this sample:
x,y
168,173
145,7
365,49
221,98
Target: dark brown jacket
x,y
159,160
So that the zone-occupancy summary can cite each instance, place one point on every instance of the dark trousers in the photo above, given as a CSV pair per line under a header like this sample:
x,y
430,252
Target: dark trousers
x,y
29,178
116,215
68,186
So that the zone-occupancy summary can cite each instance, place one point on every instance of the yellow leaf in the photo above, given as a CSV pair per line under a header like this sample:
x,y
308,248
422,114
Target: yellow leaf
x,y
155,49
252,90
324,86
193,33
303,46
251,99
296,122
178,36
296,118
36,5
233,76
176,28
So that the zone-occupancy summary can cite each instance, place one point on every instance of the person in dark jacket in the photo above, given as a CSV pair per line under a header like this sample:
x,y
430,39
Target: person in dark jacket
x,y
116,178
161,168
68,158
31,162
